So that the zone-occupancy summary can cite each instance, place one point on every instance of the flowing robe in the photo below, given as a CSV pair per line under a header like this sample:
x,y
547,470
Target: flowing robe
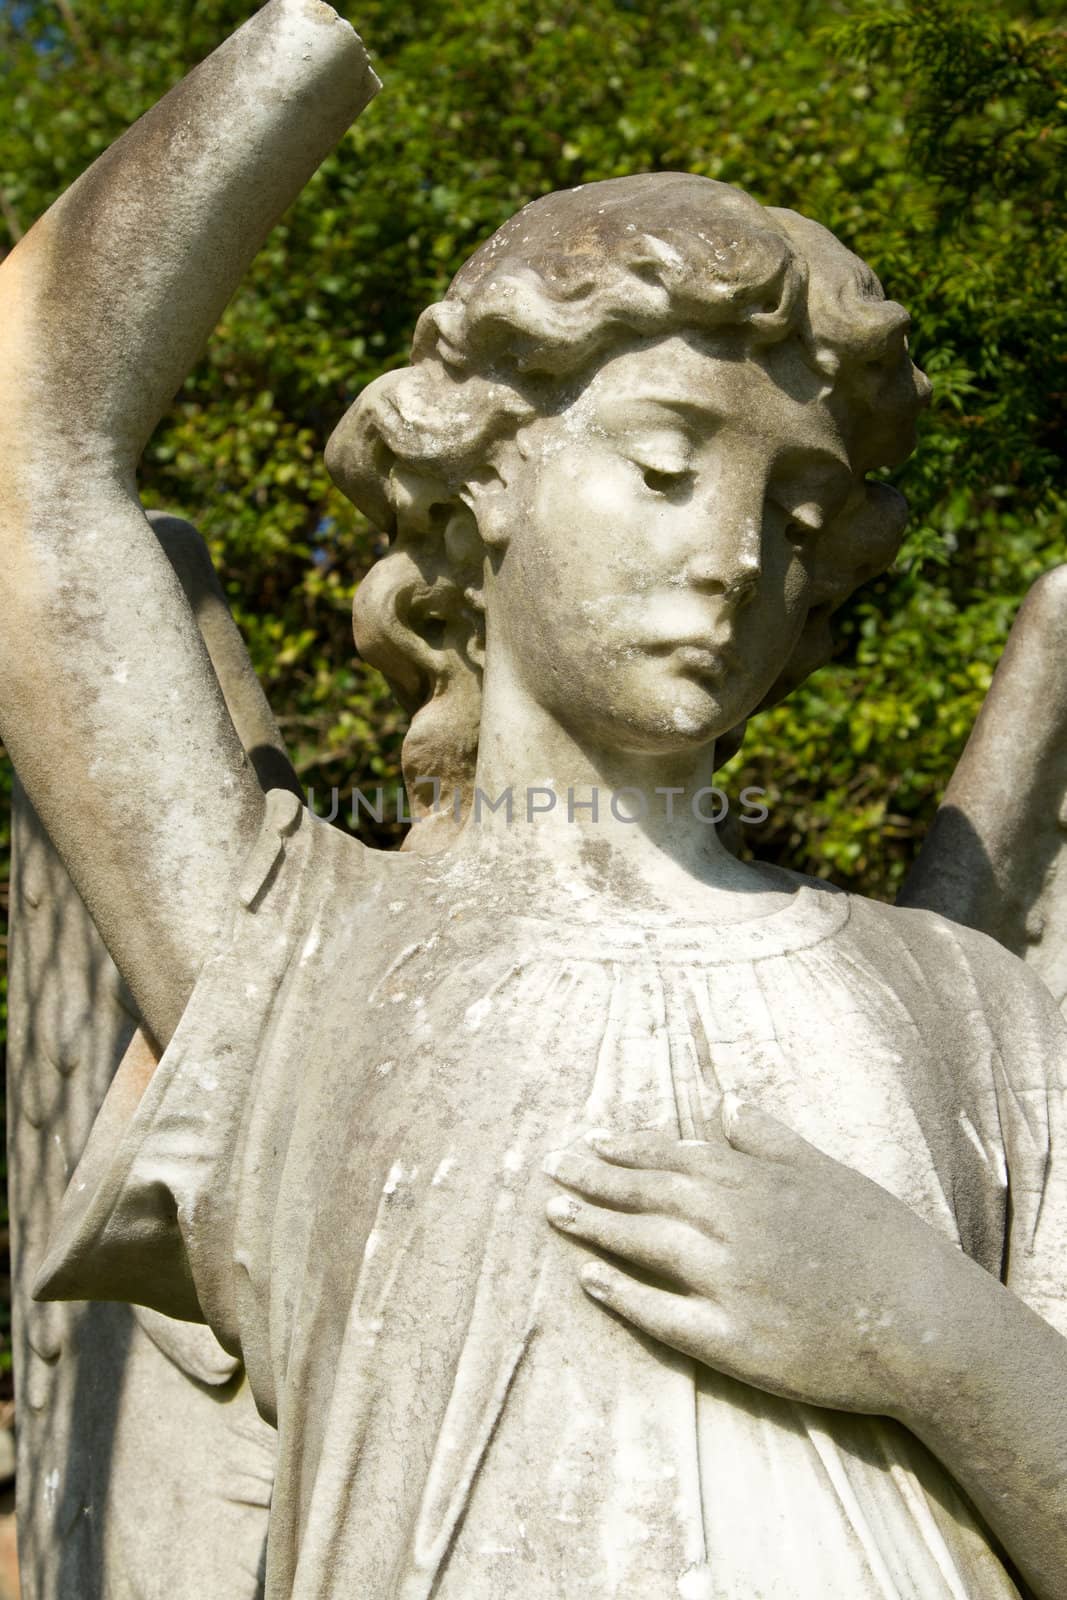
x,y
337,1165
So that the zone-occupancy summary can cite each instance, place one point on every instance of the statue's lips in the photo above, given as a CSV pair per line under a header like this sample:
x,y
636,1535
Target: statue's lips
x,y
702,658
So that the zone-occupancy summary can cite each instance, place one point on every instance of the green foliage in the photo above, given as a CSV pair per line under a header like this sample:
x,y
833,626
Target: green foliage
x,y
988,95
975,247
928,135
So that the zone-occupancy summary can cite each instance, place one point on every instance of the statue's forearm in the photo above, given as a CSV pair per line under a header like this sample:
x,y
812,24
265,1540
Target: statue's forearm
x,y
110,298
985,1393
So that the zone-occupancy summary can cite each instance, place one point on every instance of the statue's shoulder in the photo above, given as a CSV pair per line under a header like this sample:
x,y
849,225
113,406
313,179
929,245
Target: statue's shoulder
x,y
970,969
940,945
307,893
294,850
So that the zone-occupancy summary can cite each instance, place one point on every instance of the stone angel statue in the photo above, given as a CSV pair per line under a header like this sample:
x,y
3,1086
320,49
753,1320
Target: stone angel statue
x,y
594,1214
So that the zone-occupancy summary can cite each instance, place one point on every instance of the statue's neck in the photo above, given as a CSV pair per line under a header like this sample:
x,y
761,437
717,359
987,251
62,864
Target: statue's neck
x,y
634,831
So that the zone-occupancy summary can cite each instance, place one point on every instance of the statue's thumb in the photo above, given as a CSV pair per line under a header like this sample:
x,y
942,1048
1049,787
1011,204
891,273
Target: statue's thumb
x,y
753,1131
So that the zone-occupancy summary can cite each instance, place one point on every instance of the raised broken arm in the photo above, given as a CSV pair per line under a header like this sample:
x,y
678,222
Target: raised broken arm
x,y
108,704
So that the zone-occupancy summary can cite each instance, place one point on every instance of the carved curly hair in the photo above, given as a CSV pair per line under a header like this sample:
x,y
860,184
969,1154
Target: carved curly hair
x,y
524,324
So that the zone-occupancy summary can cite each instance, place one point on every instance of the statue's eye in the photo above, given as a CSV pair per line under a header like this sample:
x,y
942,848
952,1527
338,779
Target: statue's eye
x,y
666,482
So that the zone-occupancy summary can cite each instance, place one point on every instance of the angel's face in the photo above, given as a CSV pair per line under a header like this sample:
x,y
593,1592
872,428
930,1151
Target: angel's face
x,y
658,568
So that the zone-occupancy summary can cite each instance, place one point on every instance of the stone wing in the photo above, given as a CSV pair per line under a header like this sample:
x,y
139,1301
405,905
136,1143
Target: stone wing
x,y
996,855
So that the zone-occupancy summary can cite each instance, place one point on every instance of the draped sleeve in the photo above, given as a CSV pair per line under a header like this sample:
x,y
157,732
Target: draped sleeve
x,y
1005,1032
1030,1085
172,1205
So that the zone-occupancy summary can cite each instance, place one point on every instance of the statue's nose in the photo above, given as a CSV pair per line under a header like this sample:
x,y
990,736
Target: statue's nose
x,y
727,557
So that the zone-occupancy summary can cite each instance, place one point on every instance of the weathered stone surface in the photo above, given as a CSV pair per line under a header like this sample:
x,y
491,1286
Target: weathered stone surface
x,y
594,1214
104,306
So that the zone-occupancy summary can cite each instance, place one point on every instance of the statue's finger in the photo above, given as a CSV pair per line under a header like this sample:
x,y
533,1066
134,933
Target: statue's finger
x,y
627,1188
664,1245
687,1323
706,1160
